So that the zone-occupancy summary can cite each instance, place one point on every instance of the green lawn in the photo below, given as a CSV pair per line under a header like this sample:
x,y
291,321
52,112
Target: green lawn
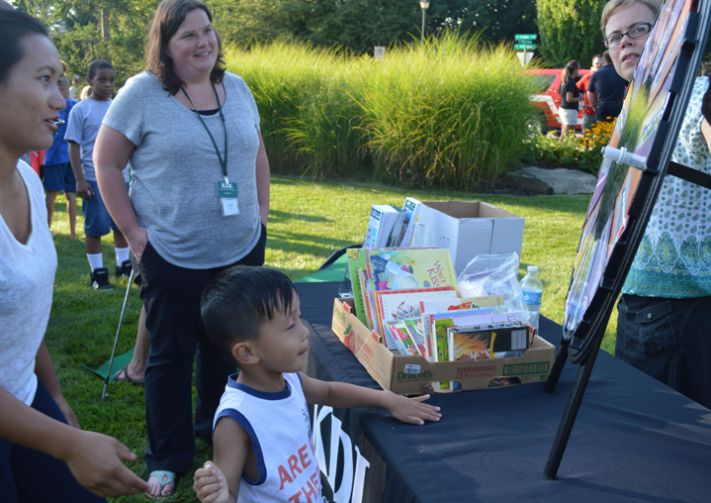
x,y
308,220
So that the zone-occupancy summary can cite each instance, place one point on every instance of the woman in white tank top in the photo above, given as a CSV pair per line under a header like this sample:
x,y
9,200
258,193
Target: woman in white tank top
x,y
44,455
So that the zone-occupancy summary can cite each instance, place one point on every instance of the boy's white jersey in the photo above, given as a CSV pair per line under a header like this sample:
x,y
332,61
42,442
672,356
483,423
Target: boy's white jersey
x,y
279,428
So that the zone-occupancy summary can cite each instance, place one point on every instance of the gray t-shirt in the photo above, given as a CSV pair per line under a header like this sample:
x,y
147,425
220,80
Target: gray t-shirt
x,y
83,127
176,171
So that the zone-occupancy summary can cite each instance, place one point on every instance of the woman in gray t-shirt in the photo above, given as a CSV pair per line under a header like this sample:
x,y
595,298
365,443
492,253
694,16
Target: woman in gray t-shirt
x,y
198,203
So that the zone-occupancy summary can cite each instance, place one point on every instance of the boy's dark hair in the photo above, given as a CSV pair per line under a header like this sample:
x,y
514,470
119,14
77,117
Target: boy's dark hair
x,y
14,26
167,19
95,66
607,58
236,303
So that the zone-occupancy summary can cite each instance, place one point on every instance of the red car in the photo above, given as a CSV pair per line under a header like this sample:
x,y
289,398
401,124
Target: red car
x,y
547,98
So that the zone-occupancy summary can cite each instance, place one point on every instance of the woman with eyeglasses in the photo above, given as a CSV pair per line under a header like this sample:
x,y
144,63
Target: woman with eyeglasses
x,y
664,313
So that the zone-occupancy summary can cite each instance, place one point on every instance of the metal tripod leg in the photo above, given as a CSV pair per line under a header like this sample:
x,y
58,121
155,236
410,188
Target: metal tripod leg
x,y
105,391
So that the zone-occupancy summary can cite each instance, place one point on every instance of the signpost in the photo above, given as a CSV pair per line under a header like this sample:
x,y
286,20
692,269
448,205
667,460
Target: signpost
x,y
524,46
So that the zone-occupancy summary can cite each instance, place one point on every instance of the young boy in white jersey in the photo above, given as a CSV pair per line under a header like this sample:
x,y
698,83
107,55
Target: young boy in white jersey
x,y
82,127
262,434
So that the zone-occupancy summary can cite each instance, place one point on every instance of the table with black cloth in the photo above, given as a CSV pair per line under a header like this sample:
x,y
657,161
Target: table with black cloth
x,y
635,439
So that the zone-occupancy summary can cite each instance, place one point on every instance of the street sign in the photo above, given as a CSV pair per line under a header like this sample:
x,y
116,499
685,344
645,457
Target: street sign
x,y
525,47
525,37
524,57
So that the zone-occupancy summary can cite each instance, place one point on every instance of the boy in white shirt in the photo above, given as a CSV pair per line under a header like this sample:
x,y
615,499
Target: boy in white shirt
x,y
82,127
262,434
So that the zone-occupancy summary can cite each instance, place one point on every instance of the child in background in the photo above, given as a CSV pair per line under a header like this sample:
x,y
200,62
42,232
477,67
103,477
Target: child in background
x,y
262,432
82,128
57,173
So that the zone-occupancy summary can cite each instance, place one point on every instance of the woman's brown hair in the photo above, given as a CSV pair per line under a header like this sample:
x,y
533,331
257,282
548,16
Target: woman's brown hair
x,y
169,15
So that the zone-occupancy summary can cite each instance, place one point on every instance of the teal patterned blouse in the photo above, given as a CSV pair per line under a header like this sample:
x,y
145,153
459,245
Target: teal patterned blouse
x,y
674,257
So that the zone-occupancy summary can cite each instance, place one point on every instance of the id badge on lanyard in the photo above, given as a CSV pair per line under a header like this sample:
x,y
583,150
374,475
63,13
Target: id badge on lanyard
x,y
227,193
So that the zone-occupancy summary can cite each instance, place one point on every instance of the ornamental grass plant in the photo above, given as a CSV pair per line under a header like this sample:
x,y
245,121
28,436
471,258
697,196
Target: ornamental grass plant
x,y
448,113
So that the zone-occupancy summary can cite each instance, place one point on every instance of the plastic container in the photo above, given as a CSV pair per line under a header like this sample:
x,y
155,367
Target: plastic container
x,y
532,292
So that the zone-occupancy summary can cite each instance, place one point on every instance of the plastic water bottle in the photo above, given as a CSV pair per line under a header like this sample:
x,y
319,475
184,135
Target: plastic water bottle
x,y
532,290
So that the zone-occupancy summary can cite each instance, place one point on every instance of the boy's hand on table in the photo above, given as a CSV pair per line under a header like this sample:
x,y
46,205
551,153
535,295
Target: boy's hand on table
x,y
411,410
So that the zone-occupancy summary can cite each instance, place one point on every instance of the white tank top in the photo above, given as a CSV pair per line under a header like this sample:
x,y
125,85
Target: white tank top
x,y
279,428
26,281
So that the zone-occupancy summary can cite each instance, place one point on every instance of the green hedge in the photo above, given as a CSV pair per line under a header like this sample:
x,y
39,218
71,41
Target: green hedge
x,y
449,113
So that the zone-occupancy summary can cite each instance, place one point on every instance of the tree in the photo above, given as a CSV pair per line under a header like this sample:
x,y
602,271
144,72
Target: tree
x,y
85,30
358,25
496,20
569,29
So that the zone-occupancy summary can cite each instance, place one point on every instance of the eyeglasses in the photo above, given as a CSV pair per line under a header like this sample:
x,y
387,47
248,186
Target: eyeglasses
x,y
637,30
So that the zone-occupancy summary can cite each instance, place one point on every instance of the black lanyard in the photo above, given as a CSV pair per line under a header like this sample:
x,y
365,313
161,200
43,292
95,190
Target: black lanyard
x,y
223,160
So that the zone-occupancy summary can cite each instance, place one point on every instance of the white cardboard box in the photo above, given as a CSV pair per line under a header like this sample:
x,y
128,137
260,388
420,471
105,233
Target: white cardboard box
x,y
468,229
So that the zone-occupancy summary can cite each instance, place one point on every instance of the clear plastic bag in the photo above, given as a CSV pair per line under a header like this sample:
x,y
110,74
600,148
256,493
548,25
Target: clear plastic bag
x,y
495,274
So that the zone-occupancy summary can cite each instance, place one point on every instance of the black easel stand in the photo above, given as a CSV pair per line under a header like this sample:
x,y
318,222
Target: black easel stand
x,y
571,411
587,356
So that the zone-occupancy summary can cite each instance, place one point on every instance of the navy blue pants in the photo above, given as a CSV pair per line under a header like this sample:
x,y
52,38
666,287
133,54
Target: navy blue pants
x,y
27,475
669,339
171,295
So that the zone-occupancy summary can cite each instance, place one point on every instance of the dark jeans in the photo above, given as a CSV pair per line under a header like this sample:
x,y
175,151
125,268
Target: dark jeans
x,y
669,339
27,475
171,296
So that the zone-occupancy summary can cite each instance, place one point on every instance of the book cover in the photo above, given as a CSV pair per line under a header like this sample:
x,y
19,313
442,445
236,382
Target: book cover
x,y
410,208
402,339
436,325
410,268
356,261
365,295
380,223
477,343
402,304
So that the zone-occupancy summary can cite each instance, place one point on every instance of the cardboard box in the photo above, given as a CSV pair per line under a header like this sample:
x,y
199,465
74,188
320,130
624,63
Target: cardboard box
x,y
468,229
413,375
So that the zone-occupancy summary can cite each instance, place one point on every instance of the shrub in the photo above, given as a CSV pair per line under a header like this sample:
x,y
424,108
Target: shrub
x,y
447,113
581,152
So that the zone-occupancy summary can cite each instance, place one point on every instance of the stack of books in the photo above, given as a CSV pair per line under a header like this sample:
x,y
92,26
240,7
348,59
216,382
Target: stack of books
x,y
408,296
389,226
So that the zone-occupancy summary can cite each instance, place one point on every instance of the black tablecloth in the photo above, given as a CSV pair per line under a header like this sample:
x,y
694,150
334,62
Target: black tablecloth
x,y
634,439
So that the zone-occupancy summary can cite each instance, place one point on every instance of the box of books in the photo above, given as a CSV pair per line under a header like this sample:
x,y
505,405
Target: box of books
x,y
479,355
467,229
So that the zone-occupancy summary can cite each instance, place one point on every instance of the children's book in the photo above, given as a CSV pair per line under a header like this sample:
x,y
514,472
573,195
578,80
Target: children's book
x,y
402,304
404,342
356,262
477,343
438,323
366,296
413,328
383,217
410,210
410,268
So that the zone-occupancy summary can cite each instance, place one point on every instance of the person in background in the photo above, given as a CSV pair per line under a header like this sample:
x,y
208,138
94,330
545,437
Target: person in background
x,y
253,315
44,455
589,117
664,318
57,173
570,98
82,128
199,202
606,91
85,93
74,90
